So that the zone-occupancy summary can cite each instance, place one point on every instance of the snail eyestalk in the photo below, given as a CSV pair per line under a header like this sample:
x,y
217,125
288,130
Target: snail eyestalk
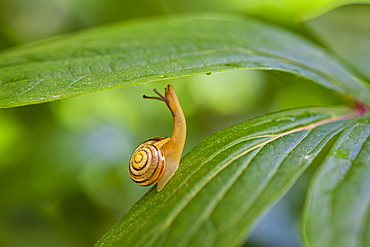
x,y
161,97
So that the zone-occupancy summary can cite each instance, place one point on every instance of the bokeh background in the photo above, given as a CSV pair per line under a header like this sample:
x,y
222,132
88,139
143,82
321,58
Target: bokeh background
x,y
63,165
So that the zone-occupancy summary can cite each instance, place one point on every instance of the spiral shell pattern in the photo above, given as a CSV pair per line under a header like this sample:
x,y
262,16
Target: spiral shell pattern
x,y
147,163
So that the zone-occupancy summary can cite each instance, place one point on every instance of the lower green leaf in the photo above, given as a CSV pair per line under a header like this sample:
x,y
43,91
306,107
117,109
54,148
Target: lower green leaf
x,y
225,183
337,211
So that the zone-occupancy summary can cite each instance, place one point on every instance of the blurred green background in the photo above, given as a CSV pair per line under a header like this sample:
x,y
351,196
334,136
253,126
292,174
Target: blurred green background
x,y
63,165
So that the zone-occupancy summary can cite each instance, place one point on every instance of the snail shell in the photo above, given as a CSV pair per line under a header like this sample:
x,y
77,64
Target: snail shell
x,y
148,162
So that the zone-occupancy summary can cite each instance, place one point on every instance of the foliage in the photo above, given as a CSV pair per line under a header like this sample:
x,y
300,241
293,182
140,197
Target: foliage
x,y
232,177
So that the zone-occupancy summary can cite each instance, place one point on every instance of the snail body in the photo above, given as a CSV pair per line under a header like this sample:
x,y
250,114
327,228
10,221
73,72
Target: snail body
x,y
157,159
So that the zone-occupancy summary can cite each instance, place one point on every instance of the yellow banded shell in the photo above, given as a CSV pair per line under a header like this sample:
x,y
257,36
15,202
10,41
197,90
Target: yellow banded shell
x,y
147,162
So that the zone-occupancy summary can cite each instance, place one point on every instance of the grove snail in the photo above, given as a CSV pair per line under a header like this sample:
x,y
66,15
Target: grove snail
x,y
157,159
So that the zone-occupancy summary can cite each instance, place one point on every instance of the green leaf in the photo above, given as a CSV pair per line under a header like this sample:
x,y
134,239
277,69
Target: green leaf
x,y
142,51
337,211
225,183
346,31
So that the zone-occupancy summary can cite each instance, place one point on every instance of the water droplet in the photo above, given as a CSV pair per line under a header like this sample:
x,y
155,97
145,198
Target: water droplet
x,y
286,119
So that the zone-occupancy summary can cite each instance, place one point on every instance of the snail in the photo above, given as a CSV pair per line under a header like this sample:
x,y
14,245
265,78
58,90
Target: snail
x,y
157,159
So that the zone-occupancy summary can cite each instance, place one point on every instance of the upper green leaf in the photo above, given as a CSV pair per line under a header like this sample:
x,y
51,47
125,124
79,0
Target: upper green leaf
x,y
228,180
346,31
142,51
338,205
